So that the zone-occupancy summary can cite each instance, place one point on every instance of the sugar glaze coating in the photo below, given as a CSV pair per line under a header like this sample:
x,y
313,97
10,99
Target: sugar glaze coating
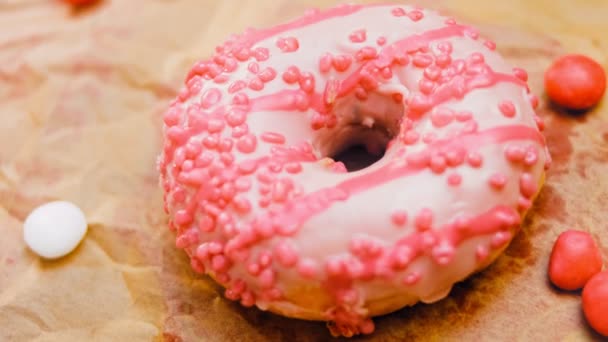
x,y
257,204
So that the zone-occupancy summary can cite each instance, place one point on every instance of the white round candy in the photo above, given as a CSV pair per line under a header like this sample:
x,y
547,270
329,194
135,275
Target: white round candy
x,y
54,229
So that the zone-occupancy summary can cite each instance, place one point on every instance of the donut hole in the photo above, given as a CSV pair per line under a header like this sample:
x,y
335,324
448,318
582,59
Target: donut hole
x,y
364,130
359,153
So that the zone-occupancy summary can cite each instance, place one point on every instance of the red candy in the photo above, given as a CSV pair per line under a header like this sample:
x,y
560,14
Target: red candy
x,y
595,302
575,82
574,259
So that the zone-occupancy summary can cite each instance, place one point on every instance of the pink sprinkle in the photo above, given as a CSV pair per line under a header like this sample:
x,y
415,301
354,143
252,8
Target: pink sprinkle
x,y
381,41
244,184
202,252
531,157
443,253
481,253
182,241
240,99
401,256
256,84
177,134
524,204
182,217
172,116
230,294
206,224
527,185
241,204
215,247
507,108
426,86
280,191
367,326
463,116
445,47
242,54
267,75
247,299
261,54
438,164
253,269
342,62
265,259
441,117
286,255
272,294
307,268
339,167
222,278
307,82
418,103
515,154
253,67
293,168
540,123
399,217
521,74
210,97
443,60
197,266
325,62
411,137
500,239
366,53
415,15
398,12
412,278
533,101
291,75
424,219
472,33
264,229
211,141
194,85
432,73
215,125
226,145
289,44
273,138
422,60
358,36
490,45
474,159
247,143
219,263
247,167
454,156
235,117
454,179
498,181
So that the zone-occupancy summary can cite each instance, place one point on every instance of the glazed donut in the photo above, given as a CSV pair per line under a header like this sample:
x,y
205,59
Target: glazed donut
x,y
258,201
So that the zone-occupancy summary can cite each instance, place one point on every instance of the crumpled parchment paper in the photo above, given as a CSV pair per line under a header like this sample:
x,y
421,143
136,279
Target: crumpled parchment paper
x,y
81,94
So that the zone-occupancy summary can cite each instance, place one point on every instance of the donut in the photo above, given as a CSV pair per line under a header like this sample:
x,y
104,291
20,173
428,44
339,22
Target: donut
x,y
259,200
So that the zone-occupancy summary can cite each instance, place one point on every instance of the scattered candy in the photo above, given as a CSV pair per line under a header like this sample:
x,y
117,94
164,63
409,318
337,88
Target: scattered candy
x,y
54,229
574,259
575,82
595,302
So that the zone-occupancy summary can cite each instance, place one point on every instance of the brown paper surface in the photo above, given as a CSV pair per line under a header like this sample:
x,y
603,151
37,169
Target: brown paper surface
x,y
81,94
